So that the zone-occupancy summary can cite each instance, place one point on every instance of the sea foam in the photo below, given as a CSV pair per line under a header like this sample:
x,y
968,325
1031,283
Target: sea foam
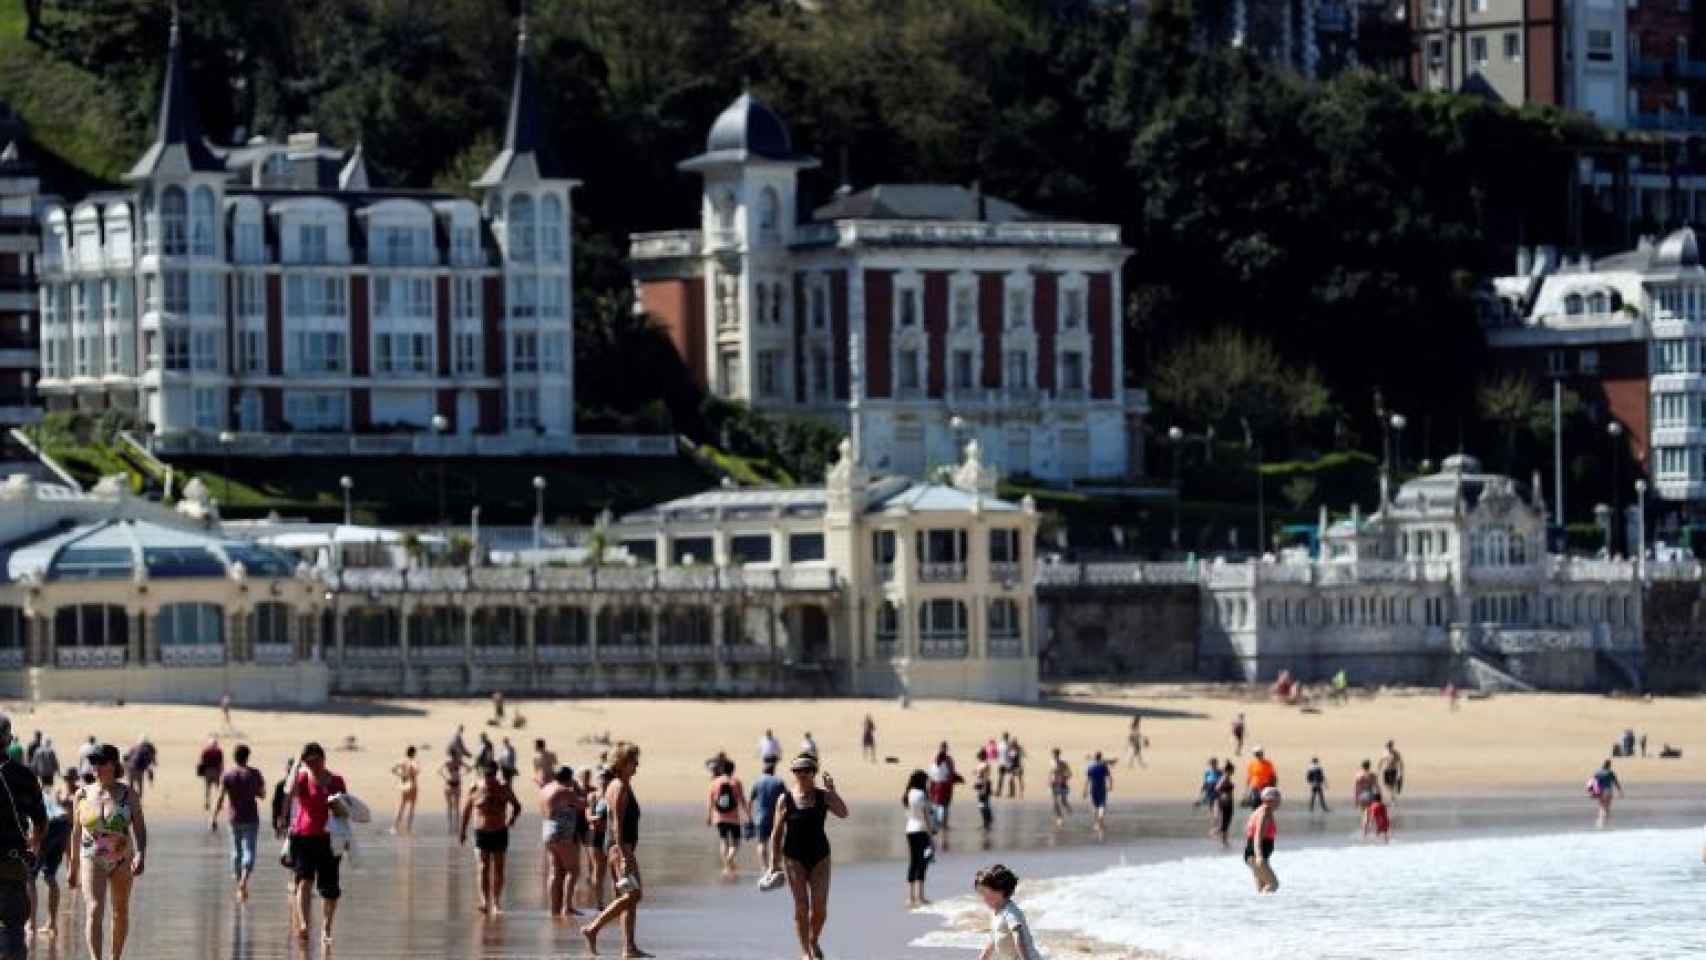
x,y
1631,894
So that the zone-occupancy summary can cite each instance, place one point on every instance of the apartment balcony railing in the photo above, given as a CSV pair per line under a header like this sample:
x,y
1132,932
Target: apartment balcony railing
x,y
942,572
92,657
943,646
1004,571
1006,646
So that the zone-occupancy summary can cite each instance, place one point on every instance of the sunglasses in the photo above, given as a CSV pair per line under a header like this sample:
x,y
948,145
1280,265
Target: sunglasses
x,y
100,762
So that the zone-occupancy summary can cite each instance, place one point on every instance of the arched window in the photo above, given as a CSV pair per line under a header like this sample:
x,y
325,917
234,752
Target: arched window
x,y
551,229
1573,304
1003,622
1597,302
372,628
499,627
521,228
686,626
190,625
942,628
560,626
769,214
438,626
202,223
269,624
174,236
888,628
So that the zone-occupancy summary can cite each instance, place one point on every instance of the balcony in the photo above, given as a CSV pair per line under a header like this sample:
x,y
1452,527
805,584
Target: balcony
x,y
1655,68
1004,571
942,572
192,654
884,572
943,646
86,658
1009,646
1669,122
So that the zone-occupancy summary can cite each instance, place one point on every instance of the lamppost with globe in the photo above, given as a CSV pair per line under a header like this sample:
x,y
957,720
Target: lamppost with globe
x,y
538,514
1176,436
226,439
440,424
1641,522
1614,431
348,484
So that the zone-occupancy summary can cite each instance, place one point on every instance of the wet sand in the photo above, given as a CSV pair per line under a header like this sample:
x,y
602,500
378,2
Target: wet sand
x,y
414,897
1509,743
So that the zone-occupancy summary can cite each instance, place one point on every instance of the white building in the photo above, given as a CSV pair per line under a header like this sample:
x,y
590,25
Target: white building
x,y
915,316
274,291
1451,572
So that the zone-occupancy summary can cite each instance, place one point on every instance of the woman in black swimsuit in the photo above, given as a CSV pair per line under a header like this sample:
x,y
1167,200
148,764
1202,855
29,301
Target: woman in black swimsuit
x,y
799,843
622,834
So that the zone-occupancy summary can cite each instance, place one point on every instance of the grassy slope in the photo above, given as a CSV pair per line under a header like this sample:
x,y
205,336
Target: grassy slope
x,y
71,119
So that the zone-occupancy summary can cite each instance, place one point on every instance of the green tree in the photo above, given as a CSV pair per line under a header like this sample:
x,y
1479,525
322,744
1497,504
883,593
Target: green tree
x,y
1229,378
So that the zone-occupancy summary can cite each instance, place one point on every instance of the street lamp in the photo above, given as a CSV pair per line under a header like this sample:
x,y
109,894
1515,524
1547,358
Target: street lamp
x,y
226,439
348,484
1614,431
1398,423
538,514
1175,435
1641,520
439,425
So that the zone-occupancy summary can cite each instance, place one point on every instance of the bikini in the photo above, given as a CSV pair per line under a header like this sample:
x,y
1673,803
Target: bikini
x,y
804,841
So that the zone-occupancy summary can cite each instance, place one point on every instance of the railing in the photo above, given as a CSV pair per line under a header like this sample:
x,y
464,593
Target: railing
x,y
439,655
1004,571
848,233
884,572
943,647
747,653
92,657
500,654
194,443
666,243
1116,574
192,654
12,657
274,654
888,648
580,579
1689,123
372,655
624,653
563,653
687,652
942,572
1006,646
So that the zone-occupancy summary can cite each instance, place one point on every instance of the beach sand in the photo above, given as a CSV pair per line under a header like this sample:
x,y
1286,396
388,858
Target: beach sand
x,y
1512,743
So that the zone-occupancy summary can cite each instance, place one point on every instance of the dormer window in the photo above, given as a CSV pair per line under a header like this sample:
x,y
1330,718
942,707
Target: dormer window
x,y
769,214
551,231
521,229
202,225
174,229
1573,305
311,244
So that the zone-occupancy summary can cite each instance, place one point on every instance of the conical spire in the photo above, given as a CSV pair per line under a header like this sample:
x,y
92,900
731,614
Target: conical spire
x,y
526,153
178,144
354,174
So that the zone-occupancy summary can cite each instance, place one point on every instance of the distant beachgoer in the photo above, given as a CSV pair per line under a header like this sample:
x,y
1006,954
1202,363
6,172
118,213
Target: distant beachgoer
x,y
1628,742
57,800
597,819
1259,776
450,771
622,835
1009,934
210,768
868,739
1391,770
225,709
139,763
30,748
498,706
1238,736
769,748
1003,762
808,745
1451,693
983,786
801,844
1060,788
1015,768
1317,780
726,808
1098,782
920,826
507,764
563,809
496,806
457,749
312,857
1643,745
45,763
766,790
1136,740
1376,821
943,777
544,764
486,754
1224,799
107,849
245,787
281,802
1205,788
408,774
1600,787
1260,831
1365,786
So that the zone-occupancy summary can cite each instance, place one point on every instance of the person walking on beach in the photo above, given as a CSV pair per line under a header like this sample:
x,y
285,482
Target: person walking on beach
x,y
1600,786
57,798
408,774
1015,768
490,799
563,809
544,764
1135,738
1205,788
919,827
1365,786
1238,735
1260,831
1259,775
311,855
622,813
108,847
1391,772
1224,788
451,773
19,835
1317,780
868,740
1060,789
983,786
943,777
1098,782
225,710
808,745
45,763
210,768
766,790
597,817
769,749
801,844
244,787
140,763
1376,820
457,749
507,763
726,807
1009,934
1002,762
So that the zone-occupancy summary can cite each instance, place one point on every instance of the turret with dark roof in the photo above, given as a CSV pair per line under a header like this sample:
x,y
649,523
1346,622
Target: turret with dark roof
x,y
179,147
527,153
748,131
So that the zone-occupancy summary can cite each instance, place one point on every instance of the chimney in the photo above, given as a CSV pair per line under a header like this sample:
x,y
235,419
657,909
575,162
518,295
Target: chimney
x,y
846,188
303,149
982,207
1524,261
1545,259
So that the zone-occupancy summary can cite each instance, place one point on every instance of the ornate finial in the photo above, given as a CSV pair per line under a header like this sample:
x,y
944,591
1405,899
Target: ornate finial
x,y
177,15
521,32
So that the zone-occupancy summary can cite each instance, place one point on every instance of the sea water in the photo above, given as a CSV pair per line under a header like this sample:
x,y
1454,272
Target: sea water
x,y
1628,894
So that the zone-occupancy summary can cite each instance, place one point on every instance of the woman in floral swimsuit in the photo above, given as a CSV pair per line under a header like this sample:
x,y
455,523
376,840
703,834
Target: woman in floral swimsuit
x,y
108,840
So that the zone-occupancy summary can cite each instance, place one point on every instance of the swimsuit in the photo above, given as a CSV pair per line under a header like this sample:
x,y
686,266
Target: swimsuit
x,y
106,840
630,836
804,840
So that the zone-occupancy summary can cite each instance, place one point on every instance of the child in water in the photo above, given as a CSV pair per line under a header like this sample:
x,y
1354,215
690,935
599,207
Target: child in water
x,y
1376,820
1009,934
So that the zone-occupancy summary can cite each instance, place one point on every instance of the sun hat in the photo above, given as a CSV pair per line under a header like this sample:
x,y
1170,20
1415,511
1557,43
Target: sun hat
x,y
804,761
1270,793
1258,750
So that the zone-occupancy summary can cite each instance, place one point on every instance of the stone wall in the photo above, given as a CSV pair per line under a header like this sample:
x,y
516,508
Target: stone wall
x,y
1123,632
1674,632
250,684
